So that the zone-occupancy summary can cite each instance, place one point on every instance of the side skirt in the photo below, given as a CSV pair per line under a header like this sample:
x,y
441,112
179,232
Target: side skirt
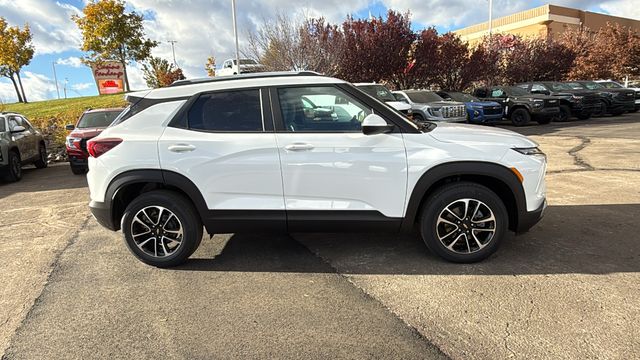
x,y
238,221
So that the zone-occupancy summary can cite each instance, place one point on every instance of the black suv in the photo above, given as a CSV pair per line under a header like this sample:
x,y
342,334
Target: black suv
x,y
614,101
577,102
519,105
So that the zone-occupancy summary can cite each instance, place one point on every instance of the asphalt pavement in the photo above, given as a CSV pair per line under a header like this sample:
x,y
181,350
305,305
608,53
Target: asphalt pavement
x,y
569,288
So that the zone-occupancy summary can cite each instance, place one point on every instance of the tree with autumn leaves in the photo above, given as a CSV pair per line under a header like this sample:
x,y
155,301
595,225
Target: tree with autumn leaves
x,y
159,72
109,33
16,51
387,50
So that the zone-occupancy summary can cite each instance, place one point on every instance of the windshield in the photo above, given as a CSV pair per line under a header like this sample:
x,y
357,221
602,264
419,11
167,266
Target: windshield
x,y
611,85
516,91
575,86
423,97
98,119
592,85
559,86
245,62
462,97
378,91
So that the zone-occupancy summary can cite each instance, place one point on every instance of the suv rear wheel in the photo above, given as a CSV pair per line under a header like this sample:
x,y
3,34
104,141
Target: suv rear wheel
x,y
14,167
463,222
161,228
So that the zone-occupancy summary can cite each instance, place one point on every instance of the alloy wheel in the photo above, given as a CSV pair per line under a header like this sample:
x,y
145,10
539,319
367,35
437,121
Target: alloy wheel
x,y
157,231
466,226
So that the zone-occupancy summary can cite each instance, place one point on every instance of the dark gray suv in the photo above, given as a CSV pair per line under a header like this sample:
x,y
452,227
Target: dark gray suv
x,y
20,144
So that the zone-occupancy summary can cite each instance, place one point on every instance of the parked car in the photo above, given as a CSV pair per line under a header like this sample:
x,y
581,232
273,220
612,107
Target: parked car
x,y
519,106
579,103
609,84
428,106
243,156
90,124
383,94
614,101
20,144
230,67
478,112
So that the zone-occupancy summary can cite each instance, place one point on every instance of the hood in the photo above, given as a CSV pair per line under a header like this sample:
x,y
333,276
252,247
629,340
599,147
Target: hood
x,y
86,133
474,134
399,105
444,103
483,103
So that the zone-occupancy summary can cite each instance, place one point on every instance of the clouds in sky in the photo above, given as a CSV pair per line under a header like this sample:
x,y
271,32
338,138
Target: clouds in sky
x,y
204,27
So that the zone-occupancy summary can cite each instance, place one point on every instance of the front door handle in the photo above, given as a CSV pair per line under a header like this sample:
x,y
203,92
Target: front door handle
x,y
180,148
299,147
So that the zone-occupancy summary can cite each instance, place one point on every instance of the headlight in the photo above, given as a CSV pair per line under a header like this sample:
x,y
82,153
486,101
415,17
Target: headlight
x,y
533,151
476,113
538,102
577,98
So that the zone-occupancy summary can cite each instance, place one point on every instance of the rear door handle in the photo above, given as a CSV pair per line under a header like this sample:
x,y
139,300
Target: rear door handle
x,y
180,148
299,147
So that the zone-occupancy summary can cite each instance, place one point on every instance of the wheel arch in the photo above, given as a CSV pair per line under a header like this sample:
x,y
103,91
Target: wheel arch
x,y
128,185
498,178
519,106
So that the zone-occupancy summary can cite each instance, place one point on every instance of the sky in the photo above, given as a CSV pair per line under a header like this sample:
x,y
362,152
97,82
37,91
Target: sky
x,y
204,27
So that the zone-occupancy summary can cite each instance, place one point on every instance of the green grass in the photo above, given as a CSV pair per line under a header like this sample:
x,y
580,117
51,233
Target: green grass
x,y
51,116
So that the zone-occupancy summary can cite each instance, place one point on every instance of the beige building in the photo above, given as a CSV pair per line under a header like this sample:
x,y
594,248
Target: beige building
x,y
543,21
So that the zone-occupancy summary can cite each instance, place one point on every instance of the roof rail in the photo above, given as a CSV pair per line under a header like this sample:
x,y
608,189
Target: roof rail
x,y
259,75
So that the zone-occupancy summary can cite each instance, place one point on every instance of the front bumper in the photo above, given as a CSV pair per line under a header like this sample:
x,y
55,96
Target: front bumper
x,y
528,219
102,213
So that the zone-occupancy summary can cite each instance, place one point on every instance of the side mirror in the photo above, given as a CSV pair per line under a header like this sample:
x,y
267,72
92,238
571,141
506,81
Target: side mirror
x,y
374,124
18,129
70,127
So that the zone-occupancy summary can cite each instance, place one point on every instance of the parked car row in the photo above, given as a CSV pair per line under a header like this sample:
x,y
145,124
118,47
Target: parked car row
x,y
542,101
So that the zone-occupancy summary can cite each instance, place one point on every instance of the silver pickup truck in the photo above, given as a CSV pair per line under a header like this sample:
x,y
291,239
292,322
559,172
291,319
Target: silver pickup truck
x,y
428,106
20,144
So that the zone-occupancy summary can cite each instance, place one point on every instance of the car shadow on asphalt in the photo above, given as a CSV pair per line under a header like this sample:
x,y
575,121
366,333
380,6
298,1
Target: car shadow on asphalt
x,y
591,239
55,177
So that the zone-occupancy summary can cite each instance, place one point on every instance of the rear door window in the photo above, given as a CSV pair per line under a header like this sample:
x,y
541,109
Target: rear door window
x,y
229,111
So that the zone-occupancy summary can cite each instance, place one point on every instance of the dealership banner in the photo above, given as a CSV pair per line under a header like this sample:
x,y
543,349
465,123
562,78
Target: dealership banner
x,y
109,76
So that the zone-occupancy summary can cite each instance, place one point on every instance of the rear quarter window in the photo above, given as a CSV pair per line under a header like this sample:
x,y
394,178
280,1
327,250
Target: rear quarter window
x,y
229,111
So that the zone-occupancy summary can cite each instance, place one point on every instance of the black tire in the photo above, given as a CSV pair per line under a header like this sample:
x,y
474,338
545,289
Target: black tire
x,y
13,172
185,215
618,112
520,117
584,116
78,170
543,120
564,115
449,195
42,162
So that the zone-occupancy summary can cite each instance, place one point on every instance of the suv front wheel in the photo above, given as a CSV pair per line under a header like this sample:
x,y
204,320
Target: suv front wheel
x,y
162,228
463,222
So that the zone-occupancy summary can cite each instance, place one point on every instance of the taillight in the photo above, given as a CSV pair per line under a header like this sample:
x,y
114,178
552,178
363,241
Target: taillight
x,y
97,147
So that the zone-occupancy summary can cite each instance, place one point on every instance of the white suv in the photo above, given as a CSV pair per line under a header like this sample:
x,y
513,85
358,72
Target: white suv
x,y
299,152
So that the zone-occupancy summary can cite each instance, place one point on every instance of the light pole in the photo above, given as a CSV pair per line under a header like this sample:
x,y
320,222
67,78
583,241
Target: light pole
x,y
490,18
173,50
235,33
65,87
55,78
